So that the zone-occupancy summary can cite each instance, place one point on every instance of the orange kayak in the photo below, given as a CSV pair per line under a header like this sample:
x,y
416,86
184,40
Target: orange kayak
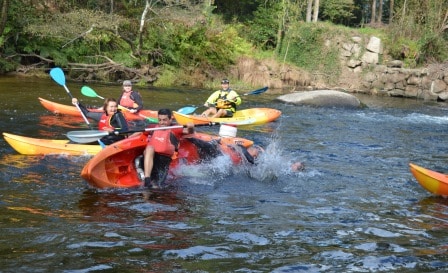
x,y
71,110
113,167
35,146
432,181
241,117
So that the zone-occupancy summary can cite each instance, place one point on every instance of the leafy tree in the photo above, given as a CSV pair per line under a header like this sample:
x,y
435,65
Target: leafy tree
x,y
338,11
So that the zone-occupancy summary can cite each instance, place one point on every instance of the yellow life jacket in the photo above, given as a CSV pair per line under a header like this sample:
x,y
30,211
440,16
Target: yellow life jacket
x,y
223,104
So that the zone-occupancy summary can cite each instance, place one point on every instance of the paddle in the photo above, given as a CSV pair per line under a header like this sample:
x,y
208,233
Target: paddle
x,y
190,109
89,92
93,135
58,76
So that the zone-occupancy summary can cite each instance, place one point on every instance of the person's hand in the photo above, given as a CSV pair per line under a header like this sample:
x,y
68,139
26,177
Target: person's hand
x,y
74,101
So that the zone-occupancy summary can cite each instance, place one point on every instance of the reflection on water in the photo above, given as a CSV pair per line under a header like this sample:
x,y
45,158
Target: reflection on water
x,y
355,208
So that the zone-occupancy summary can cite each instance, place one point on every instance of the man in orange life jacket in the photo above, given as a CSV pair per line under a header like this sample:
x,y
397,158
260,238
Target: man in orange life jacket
x,y
111,119
130,99
162,145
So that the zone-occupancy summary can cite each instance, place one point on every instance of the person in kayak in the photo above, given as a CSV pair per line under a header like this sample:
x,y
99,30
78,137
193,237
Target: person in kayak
x,y
111,119
222,103
130,99
162,144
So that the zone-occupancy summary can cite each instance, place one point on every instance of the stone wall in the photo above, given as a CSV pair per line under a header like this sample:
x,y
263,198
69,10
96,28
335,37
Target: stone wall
x,y
361,63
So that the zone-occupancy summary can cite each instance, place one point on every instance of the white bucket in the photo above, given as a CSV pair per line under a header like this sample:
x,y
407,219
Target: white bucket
x,y
227,131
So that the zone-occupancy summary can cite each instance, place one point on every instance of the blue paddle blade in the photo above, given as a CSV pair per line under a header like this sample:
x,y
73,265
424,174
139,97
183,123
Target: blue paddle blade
x,y
58,75
187,110
258,91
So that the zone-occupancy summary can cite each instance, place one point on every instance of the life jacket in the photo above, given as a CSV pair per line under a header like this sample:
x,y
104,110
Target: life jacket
x,y
222,102
126,100
164,142
238,154
104,122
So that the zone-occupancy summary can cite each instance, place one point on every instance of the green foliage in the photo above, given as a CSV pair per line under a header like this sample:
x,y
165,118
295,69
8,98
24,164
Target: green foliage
x,y
192,46
75,36
262,30
306,47
417,36
167,78
338,11
433,48
402,48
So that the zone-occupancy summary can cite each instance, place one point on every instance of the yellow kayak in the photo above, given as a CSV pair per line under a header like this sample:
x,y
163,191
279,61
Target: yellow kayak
x,y
434,182
35,146
240,117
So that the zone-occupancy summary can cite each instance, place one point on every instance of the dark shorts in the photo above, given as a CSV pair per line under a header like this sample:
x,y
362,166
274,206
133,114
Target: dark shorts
x,y
228,114
160,169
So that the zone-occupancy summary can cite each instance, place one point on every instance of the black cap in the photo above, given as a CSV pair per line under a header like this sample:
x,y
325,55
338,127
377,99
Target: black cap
x,y
224,81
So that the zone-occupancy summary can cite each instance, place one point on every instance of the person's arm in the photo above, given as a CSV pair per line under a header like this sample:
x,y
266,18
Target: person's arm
x,y
189,129
137,98
235,98
93,115
212,99
119,122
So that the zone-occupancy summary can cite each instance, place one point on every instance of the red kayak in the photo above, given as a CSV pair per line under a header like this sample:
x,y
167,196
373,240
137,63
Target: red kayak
x,y
71,110
113,167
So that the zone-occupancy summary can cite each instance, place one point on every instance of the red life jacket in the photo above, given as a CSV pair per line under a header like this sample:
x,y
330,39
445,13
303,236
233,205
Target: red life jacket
x,y
161,141
104,122
126,100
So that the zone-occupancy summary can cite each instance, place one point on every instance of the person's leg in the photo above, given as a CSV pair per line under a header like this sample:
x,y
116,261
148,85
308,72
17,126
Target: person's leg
x,y
223,113
160,170
220,113
148,164
208,112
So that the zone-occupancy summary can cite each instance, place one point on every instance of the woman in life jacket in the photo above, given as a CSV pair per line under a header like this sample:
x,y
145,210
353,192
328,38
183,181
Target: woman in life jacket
x,y
222,103
129,98
162,144
111,119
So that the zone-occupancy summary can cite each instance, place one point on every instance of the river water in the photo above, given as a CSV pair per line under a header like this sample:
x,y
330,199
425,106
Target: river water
x,y
355,208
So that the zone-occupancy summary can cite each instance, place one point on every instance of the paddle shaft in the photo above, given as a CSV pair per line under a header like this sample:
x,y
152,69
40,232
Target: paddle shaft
x,y
58,76
190,109
94,135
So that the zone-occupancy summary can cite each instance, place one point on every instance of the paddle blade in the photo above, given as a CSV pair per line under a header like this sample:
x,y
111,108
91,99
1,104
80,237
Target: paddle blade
x,y
58,75
258,91
187,110
89,92
86,136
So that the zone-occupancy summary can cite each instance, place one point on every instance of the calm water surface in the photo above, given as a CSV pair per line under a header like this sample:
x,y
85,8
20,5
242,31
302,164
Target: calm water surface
x,y
356,207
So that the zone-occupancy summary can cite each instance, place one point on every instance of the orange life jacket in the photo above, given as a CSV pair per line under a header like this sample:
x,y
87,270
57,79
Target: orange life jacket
x,y
126,100
162,141
104,122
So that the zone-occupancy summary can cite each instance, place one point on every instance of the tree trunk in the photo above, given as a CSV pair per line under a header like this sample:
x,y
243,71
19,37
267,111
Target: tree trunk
x,y
309,10
373,17
142,24
391,11
316,10
380,13
280,30
4,4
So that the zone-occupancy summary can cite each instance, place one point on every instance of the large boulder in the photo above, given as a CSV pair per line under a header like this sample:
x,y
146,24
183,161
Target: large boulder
x,y
328,98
